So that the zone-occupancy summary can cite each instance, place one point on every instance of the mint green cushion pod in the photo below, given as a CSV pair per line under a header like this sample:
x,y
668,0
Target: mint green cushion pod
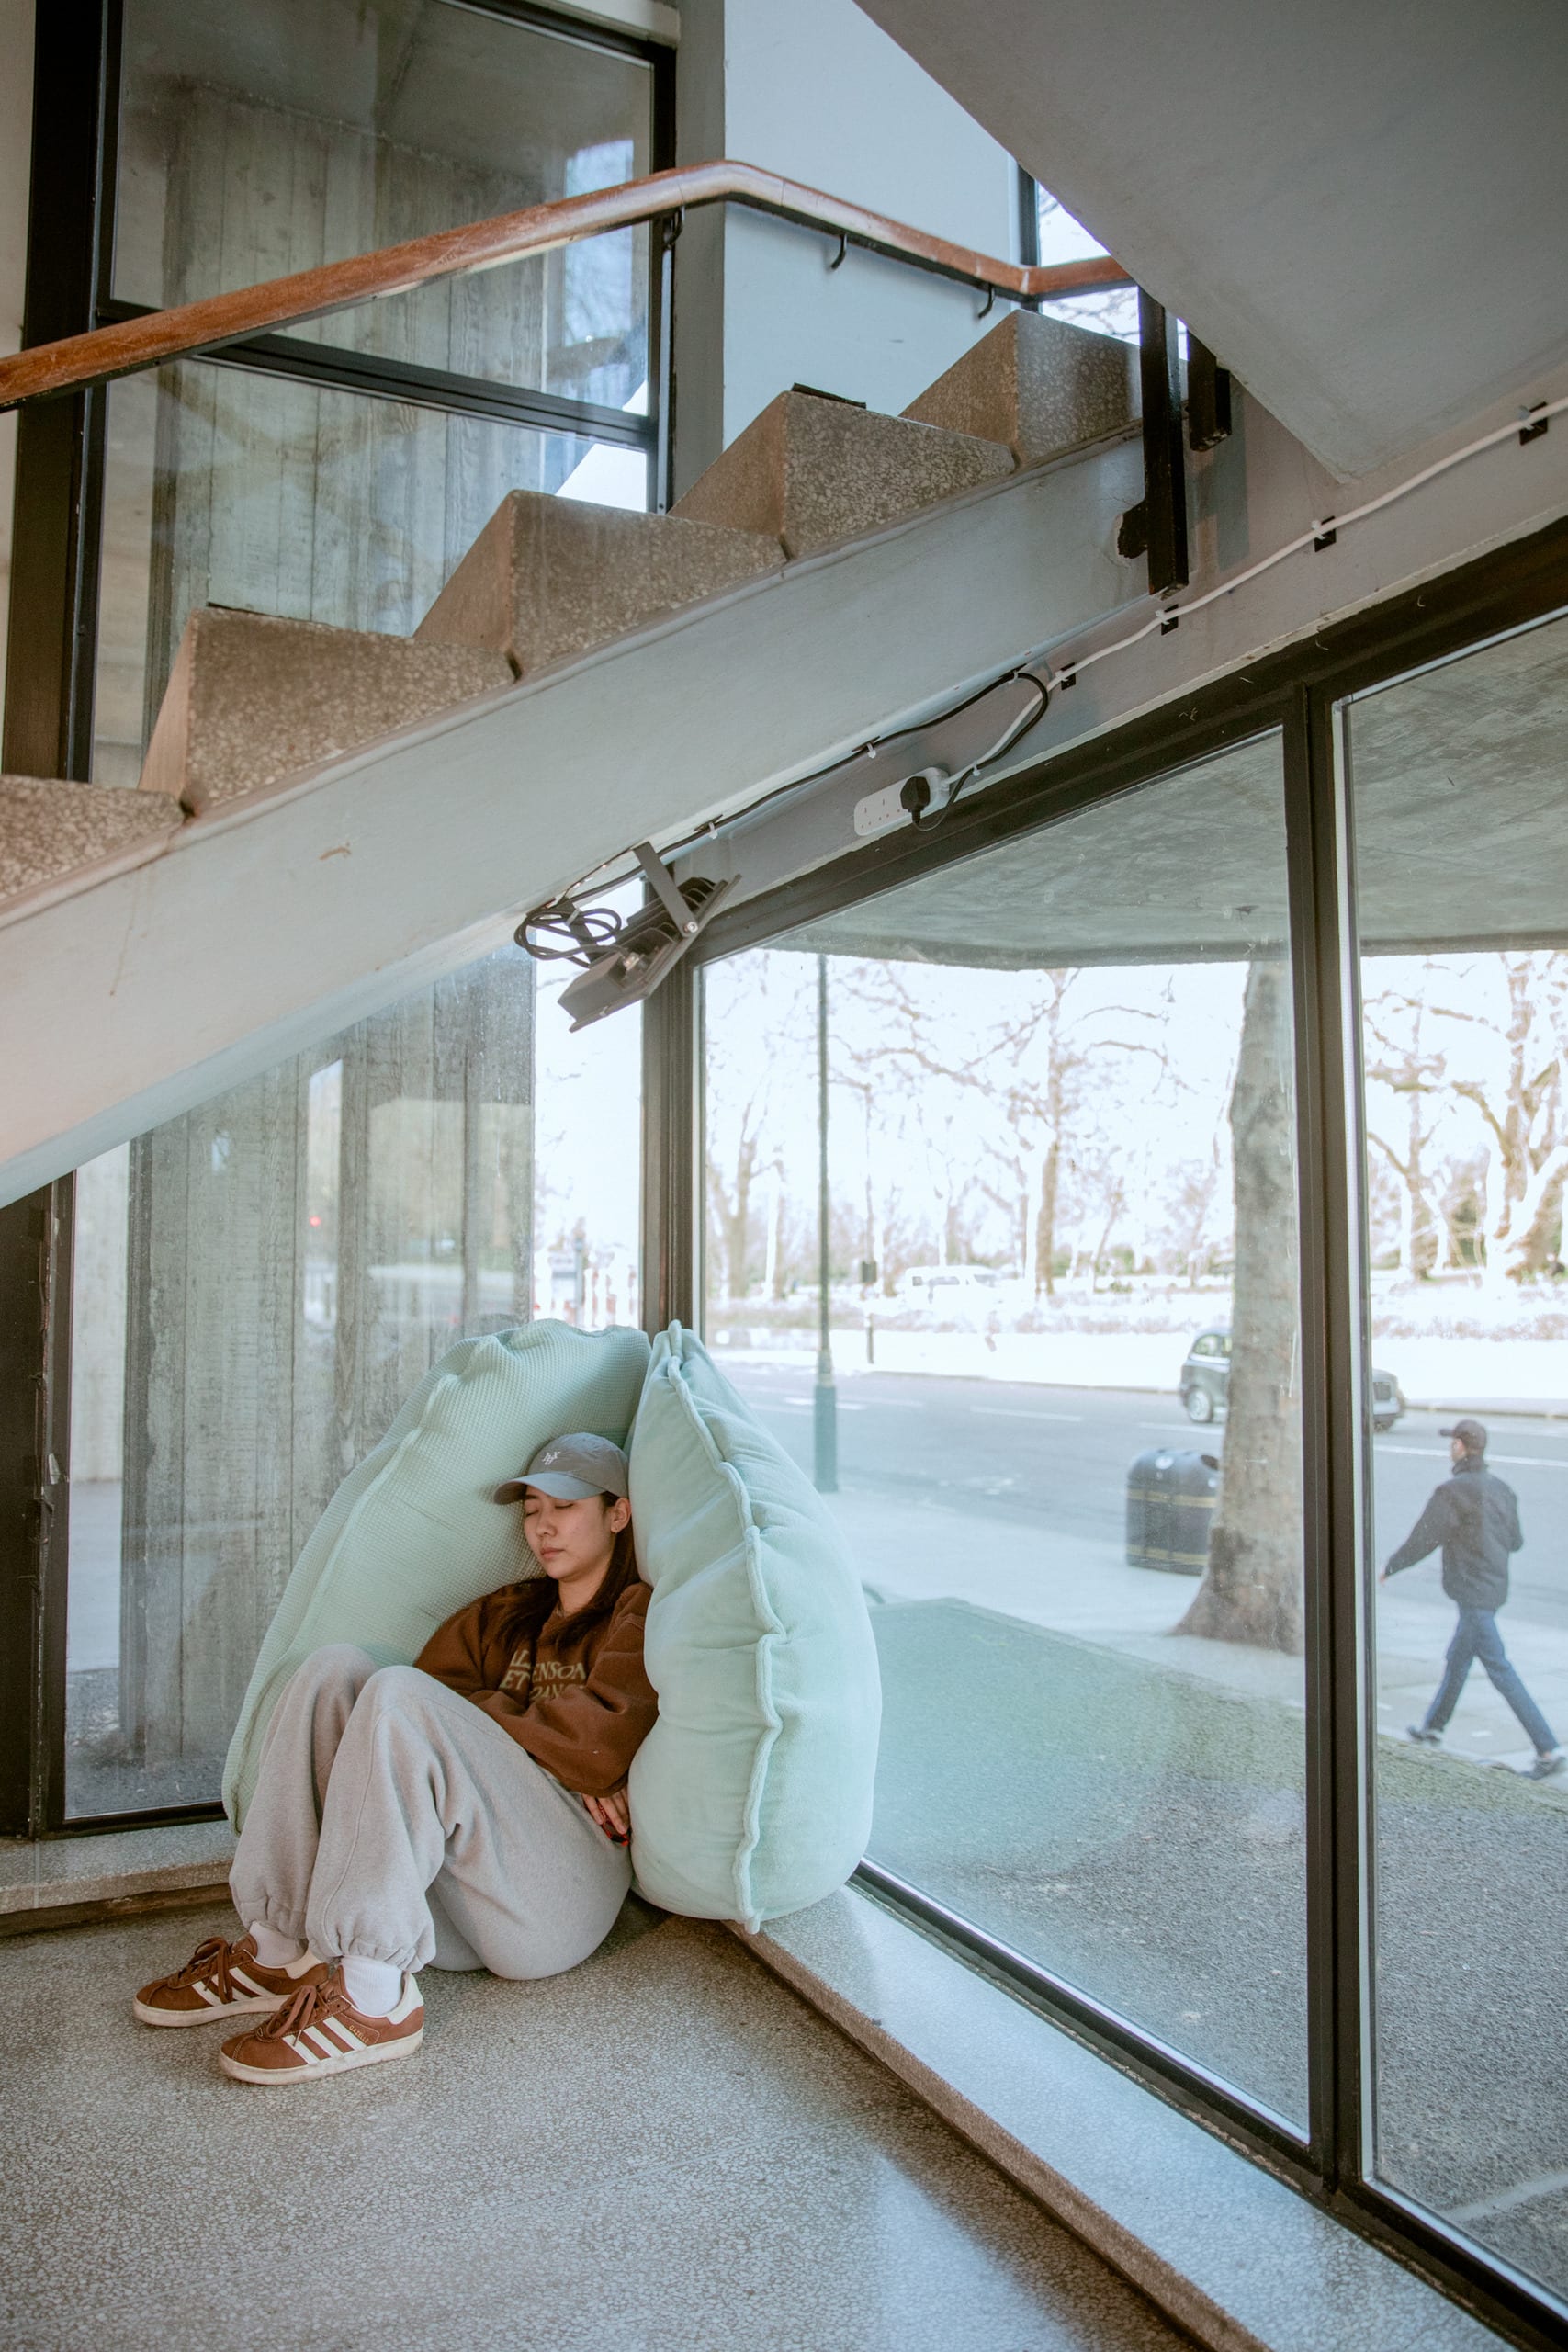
x,y
751,1795
415,1533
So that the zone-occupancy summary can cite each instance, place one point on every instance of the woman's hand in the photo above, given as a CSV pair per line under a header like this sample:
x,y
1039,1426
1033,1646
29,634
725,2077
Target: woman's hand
x,y
612,1815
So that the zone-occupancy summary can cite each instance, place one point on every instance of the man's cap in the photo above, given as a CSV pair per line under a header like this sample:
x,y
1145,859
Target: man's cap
x,y
572,1468
1470,1434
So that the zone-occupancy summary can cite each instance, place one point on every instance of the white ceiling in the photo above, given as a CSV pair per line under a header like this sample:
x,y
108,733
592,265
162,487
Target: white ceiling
x,y
1359,205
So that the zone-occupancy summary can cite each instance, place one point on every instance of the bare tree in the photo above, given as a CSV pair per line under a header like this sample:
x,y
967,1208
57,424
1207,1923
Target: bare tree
x,y
729,1199
1030,1071
743,1156
1252,1589
1521,1111
1398,1059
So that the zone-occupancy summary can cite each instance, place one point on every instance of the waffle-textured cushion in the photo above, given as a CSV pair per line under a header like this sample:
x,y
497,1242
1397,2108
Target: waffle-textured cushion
x,y
751,1795
415,1533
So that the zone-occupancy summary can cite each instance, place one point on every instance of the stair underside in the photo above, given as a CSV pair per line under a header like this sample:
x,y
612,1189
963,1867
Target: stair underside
x,y
139,988
363,811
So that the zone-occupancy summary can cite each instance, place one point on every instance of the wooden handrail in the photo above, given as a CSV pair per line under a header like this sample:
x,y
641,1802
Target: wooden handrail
x,y
147,342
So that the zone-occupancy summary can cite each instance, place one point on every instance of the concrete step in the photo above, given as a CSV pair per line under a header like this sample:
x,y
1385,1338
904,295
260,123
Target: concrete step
x,y
1036,384
810,471
550,578
252,699
49,830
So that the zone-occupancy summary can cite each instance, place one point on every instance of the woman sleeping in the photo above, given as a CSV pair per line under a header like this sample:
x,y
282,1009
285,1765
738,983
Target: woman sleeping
x,y
470,1809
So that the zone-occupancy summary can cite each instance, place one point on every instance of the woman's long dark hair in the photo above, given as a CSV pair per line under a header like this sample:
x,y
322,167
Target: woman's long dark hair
x,y
536,1597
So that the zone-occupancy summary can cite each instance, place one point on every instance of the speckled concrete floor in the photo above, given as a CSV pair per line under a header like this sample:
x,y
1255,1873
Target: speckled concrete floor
x,y
660,2152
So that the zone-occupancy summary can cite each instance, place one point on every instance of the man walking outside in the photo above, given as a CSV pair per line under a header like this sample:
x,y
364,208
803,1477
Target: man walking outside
x,y
1475,1518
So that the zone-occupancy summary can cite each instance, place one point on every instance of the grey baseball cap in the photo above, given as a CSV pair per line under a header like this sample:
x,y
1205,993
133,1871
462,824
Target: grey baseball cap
x,y
1470,1434
572,1468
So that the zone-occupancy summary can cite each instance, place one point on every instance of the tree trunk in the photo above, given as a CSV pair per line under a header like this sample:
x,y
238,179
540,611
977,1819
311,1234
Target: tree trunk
x,y
773,1273
1527,1248
1252,1590
1045,1250
738,1224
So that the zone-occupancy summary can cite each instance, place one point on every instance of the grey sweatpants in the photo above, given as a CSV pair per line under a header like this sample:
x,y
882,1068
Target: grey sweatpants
x,y
394,1820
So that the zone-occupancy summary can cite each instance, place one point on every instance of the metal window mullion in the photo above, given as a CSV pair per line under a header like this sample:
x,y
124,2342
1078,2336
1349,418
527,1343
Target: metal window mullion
x,y
672,1094
1333,1352
372,376
661,237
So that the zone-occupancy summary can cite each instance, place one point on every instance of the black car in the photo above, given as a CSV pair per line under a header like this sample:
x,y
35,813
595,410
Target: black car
x,y
1206,1377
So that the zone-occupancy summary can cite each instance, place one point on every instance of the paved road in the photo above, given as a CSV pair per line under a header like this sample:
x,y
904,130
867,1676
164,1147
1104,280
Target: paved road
x,y
1058,1459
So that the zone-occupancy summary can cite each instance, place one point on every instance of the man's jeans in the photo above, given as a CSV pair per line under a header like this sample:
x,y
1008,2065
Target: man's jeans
x,y
1476,1636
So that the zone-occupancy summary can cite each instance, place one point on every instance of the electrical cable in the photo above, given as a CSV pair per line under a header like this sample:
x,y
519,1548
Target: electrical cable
x,y
1528,426
1525,428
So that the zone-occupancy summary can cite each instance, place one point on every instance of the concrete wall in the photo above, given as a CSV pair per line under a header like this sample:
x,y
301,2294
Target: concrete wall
x,y
16,150
820,93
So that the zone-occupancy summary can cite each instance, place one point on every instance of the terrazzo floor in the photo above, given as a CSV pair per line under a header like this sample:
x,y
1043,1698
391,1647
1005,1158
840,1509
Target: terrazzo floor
x,y
660,2152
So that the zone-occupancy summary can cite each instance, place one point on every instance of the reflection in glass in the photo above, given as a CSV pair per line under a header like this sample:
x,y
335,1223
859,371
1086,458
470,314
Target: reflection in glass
x,y
255,142
258,1287
1457,779
1061,1152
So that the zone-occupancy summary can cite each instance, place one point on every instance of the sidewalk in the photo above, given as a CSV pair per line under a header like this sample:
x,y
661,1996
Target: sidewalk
x,y
916,1551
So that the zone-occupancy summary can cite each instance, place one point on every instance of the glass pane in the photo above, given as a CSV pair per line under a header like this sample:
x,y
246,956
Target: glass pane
x,y
257,1287
228,487
1114,312
262,141
1458,778
588,1188
1060,1163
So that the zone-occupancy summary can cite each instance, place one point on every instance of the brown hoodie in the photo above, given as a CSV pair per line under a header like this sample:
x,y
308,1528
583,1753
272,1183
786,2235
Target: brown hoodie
x,y
574,1694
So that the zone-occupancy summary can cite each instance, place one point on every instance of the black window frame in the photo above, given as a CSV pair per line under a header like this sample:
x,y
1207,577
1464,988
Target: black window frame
x,y
50,669
1299,691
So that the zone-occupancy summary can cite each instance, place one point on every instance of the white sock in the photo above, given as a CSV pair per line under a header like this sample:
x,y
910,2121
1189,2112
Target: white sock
x,y
274,1950
373,1985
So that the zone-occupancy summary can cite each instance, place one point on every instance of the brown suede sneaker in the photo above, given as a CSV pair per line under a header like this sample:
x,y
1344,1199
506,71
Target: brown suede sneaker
x,y
219,1980
321,2032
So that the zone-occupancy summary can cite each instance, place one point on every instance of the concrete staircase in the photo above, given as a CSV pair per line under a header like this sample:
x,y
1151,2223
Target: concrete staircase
x,y
260,711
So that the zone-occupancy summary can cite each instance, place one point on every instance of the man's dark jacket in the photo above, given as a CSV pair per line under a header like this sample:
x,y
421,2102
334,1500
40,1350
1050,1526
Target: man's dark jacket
x,y
1475,1518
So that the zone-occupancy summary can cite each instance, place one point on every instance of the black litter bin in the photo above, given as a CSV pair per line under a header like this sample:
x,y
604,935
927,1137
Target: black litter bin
x,y
1170,1508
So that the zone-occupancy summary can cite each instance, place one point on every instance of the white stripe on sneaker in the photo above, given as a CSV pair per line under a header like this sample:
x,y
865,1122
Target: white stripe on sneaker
x,y
208,1994
313,2043
246,1984
353,2041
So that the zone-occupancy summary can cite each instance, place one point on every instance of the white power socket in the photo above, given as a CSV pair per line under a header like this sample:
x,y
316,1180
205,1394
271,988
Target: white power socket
x,y
880,810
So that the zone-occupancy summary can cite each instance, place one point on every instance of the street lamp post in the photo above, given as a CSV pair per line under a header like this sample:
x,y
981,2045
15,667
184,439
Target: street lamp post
x,y
826,1401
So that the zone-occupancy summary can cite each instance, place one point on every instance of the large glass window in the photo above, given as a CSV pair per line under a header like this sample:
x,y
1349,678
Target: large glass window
x,y
258,1287
257,141
1059,1198
1458,778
